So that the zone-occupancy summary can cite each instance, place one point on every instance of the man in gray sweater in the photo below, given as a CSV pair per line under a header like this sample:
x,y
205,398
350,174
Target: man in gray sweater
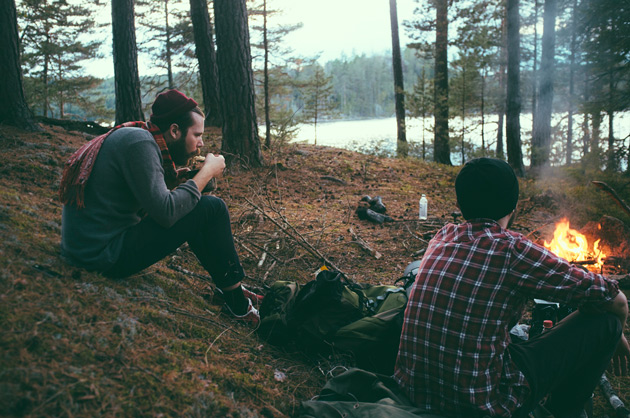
x,y
126,205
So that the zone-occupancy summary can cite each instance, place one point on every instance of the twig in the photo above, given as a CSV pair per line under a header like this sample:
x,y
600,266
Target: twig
x,y
245,247
363,244
613,194
215,340
262,249
298,238
191,273
335,179
415,235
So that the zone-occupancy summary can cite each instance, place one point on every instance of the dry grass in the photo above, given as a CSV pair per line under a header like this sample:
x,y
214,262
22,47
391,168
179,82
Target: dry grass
x,y
77,344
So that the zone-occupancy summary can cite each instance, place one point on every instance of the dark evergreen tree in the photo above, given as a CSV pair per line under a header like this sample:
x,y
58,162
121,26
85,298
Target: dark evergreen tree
x,y
206,55
399,88
236,80
441,147
513,114
13,108
317,94
128,102
54,46
541,137
605,25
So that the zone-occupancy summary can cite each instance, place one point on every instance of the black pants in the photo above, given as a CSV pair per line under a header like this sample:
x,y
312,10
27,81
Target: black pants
x,y
206,229
567,361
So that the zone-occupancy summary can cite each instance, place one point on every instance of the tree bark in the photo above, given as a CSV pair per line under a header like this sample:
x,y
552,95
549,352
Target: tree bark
x,y
541,138
236,80
502,87
441,147
399,89
512,120
571,84
206,55
125,51
266,79
13,108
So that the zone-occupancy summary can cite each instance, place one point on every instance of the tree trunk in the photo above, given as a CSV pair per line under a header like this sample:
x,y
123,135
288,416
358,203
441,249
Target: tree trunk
x,y
541,138
571,85
206,55
613,164
125,51
483,113
399,89
13,108
234,61
502,87
441,147
266,78
512,122
535,66
169,61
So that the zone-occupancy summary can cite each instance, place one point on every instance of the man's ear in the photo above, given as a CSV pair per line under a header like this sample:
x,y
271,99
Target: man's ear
x,y
174,132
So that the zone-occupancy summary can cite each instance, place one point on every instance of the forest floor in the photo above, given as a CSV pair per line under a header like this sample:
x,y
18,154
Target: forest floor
x,y
75,343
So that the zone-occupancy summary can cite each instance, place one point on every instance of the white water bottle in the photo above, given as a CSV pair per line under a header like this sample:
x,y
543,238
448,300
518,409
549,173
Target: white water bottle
x,y
423,208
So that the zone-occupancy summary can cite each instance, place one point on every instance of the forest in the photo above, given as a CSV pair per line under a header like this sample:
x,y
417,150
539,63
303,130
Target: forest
x,y
480,64
542,84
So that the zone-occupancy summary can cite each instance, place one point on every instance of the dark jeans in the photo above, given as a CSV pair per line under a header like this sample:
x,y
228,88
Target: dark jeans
x,y
567,361
206,229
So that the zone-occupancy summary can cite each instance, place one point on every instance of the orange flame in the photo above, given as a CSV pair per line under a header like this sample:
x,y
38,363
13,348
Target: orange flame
x,y
573,247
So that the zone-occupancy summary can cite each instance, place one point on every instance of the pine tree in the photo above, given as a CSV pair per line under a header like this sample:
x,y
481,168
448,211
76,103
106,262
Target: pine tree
x,y
272,61
317,95
206,55
54,47
513,113
240,129
125,52
541,137
399,88
13,108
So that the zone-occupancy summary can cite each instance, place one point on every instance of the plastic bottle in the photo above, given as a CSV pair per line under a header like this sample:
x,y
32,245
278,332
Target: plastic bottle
x,y
547,325
423,208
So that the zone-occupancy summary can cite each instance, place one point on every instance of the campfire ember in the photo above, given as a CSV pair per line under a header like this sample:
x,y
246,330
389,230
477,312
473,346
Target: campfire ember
x,y
575,248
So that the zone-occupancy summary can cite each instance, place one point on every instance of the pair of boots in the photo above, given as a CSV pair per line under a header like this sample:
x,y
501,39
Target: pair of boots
x,y
372,209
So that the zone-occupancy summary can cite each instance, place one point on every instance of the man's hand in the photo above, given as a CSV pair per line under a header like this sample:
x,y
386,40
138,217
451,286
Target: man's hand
x,y
619,364
214,165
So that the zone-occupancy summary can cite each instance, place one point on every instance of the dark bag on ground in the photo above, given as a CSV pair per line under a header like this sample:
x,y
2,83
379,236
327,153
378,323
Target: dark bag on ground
x,y
331,314
359,393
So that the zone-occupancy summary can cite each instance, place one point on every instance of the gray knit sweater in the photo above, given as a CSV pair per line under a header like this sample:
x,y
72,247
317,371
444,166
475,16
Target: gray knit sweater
x,y
127,177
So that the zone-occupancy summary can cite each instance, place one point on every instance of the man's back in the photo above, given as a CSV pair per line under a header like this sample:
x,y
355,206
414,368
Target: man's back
x,y
127,176
473,283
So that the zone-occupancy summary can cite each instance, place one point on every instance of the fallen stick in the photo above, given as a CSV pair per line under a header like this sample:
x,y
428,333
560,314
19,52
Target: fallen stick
x,y
620,409
361,243
612,194
298,238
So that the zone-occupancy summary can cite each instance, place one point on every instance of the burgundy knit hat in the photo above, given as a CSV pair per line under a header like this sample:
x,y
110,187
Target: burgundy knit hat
x,y
169,105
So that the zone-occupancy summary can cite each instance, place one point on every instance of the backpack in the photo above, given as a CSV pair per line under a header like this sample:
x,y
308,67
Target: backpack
x,y
331,314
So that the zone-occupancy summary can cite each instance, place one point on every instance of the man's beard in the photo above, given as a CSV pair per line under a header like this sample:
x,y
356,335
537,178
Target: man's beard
x,y
177,149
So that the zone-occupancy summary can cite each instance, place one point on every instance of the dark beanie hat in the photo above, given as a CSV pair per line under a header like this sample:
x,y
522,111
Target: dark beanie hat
x,y
170,105
486,188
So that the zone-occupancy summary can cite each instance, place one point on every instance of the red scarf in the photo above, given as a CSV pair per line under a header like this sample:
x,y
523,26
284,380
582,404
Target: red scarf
x,y
79,166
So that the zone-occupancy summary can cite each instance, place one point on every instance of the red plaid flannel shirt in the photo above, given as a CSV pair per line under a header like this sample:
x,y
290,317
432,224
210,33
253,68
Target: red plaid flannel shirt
x,y
472,286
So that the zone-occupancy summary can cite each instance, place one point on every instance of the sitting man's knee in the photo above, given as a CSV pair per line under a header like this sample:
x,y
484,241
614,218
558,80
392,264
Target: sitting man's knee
x,y
213,205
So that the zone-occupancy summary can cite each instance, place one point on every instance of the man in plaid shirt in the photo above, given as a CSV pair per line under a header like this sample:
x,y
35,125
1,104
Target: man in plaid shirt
x,y
455,354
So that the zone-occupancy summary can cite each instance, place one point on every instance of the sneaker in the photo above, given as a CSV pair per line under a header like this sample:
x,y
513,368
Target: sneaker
x,y
254,298
251,317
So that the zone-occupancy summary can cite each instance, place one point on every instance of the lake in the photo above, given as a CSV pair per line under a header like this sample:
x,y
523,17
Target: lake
x,y
379,135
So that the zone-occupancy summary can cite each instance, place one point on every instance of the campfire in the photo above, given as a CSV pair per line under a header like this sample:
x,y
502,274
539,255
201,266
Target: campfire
x,y
575,248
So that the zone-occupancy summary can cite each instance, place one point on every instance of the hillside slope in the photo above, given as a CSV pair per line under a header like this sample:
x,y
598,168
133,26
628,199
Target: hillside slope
x,y
75,343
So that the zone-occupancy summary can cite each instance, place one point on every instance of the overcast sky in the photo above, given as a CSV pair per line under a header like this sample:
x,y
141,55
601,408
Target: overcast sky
x,y
331,28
